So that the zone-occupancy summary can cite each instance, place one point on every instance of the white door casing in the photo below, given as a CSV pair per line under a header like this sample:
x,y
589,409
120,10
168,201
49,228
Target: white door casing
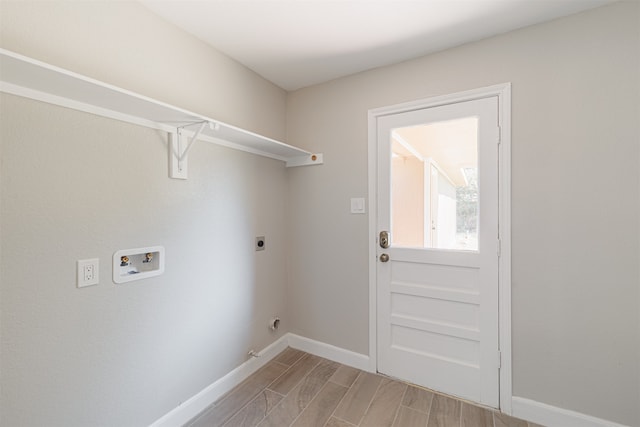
x,y
441,318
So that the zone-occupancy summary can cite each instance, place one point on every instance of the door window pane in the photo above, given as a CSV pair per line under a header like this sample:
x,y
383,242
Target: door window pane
x,y
434,190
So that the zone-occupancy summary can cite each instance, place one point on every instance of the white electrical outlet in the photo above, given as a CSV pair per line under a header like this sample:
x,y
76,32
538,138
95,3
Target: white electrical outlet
x,y
88,272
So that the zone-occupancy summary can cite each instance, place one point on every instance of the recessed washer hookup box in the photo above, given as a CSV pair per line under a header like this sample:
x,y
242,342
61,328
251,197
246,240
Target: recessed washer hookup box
x,y
139,263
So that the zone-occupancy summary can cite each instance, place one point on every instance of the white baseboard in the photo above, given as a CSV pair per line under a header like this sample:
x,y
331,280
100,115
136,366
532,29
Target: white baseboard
x,y
526,409
552,416
196,404
328,351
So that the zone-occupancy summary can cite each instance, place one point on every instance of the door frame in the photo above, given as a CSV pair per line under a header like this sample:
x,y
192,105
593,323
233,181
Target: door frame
x,y
503,92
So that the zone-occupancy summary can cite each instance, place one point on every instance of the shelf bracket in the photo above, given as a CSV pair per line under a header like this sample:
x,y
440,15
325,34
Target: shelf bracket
x,y
178,155
29,78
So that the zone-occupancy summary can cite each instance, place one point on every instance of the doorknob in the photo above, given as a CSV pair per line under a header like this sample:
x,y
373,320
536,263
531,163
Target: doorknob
x,y
384,257
384,239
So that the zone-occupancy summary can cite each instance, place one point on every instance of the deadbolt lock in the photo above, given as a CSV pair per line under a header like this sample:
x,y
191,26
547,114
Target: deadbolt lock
x,y
384,239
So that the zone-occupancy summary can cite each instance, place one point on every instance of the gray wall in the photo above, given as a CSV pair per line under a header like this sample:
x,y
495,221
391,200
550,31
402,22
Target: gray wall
x,y
76,186
575,201
123,43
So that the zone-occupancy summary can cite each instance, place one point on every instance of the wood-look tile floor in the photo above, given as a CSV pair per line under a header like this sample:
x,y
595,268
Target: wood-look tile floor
x,y
303,390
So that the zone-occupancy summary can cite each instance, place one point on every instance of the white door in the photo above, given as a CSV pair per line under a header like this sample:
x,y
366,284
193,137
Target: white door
x,y
437,281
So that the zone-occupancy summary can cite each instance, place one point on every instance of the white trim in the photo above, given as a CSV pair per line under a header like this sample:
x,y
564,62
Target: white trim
x,y
373,237
196,404
504,261
435,101
503,92
328,351
552,416
523,408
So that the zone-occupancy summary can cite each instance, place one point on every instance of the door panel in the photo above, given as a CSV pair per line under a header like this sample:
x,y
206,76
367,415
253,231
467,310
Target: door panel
x,y
441,308
437,295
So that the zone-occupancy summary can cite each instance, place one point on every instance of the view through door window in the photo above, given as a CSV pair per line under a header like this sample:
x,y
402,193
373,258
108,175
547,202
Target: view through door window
x,y
434,191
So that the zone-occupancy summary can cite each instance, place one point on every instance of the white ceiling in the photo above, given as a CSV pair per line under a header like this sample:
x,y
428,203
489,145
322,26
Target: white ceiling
x,y
298,43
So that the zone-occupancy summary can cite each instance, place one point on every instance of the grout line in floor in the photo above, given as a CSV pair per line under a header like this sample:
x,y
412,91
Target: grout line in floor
x,y
406,387
279,363
343,397
429,410
265,388
371,401
308,404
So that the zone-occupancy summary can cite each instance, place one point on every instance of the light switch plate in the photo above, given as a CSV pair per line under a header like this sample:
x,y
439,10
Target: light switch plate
x,y
88,272
357,205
